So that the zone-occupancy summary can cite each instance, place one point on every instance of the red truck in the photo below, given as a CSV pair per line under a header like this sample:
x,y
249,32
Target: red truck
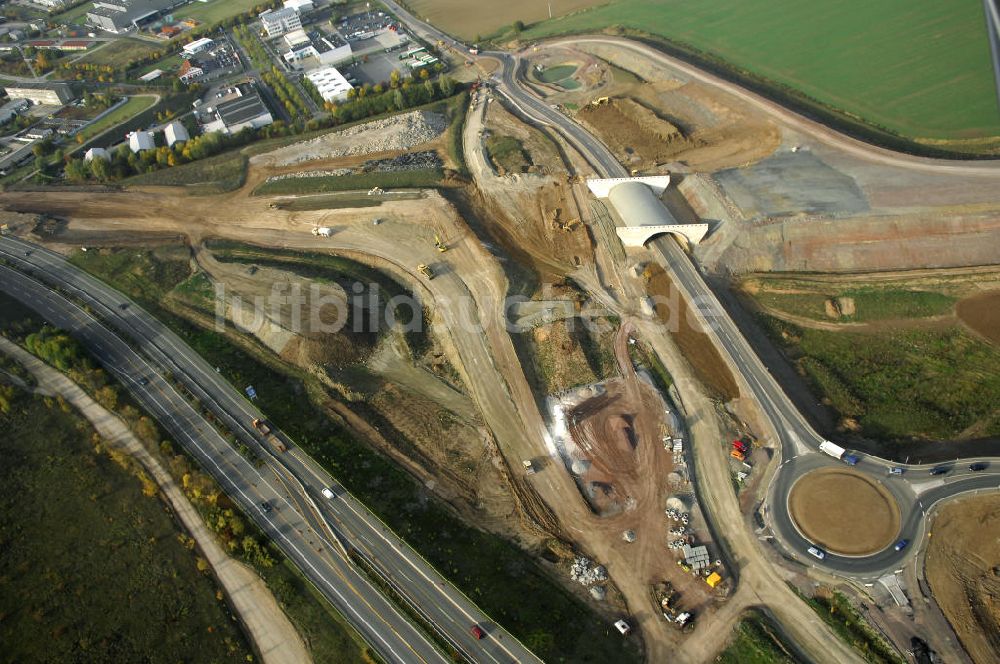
x,y
262,426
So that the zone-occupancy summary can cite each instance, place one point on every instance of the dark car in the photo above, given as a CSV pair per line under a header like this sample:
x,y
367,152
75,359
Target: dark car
x,y
976,467
123,306
266,506
27,253
940,470
478,632
901,544
144,381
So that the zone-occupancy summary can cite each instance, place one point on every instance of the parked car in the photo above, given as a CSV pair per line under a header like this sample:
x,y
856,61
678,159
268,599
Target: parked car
x,y
901,544
817,552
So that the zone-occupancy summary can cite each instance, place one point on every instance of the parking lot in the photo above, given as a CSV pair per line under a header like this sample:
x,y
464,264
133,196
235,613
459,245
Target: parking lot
x,y
377,70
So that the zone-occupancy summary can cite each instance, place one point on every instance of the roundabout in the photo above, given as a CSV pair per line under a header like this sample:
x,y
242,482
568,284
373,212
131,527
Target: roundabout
x,y
844,511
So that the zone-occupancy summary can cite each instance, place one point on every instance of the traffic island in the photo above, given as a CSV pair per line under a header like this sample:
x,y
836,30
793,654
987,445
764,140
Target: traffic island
x,y
844,512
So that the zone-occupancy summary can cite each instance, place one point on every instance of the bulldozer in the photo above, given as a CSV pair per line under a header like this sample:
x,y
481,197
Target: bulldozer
x,y
599,101
439,243
426,271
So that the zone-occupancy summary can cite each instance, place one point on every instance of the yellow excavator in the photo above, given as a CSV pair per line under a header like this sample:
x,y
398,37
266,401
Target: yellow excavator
x,y
441,246
426,271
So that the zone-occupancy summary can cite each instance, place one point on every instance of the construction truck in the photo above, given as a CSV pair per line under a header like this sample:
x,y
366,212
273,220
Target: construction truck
x,y
441,246
322,231
265,431
426,271
529,468
599,101
736,454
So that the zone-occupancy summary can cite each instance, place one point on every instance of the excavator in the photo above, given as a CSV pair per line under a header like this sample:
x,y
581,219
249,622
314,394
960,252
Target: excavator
x,y
426,271
441,246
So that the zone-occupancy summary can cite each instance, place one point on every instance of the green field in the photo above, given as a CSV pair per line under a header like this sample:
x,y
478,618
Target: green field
x,y
214,10
93,569
119,52
134,106
73,16
919,68
898,384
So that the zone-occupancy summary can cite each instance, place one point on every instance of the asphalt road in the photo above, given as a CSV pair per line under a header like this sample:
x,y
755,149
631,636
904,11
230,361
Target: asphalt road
x,y
440,603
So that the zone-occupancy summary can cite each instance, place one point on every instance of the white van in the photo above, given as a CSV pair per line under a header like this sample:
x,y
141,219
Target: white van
x,y
327,493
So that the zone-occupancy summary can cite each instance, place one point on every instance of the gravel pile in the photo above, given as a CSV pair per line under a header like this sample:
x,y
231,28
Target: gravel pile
x,y
411,161
584,571
310,174
400,132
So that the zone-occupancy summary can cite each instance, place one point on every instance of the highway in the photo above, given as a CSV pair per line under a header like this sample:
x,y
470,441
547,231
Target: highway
x,y
439,603
379,622
795,436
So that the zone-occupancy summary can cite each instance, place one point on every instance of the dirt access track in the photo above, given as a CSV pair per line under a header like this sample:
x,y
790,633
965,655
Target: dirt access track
x,y
844,512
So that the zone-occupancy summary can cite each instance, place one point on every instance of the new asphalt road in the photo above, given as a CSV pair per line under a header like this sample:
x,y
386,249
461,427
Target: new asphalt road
x,y
439,603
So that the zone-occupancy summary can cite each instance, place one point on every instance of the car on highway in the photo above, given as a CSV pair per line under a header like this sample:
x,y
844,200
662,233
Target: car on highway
x,y
144,381
266,506
896,470
327,493
478,632
901,544
817,552
940,470
976,467
123,306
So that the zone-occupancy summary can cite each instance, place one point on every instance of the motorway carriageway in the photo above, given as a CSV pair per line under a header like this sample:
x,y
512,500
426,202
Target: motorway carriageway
x,y
438,601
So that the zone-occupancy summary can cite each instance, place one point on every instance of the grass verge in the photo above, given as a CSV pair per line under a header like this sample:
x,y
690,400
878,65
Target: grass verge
x,y
837,612
756,642
214,175
425,177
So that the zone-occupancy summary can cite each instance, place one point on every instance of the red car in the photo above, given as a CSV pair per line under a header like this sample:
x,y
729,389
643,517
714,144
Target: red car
x,y
478,632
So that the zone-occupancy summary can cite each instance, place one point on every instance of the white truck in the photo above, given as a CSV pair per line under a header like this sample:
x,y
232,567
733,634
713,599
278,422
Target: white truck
x,y
838,452
529,468
323,231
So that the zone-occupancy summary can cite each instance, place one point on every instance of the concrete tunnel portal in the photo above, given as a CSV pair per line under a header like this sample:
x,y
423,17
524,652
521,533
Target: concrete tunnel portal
x,y
637,202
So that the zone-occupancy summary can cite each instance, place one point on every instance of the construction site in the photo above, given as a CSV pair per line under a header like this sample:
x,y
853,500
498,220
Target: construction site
x,y
464,392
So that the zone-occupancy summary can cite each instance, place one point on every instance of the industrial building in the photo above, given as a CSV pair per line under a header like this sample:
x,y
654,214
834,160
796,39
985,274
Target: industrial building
x,y
198,46
12,109
327,50
175,131
330,82
56,94
125,15
141,140
279,21
301,6
247,109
